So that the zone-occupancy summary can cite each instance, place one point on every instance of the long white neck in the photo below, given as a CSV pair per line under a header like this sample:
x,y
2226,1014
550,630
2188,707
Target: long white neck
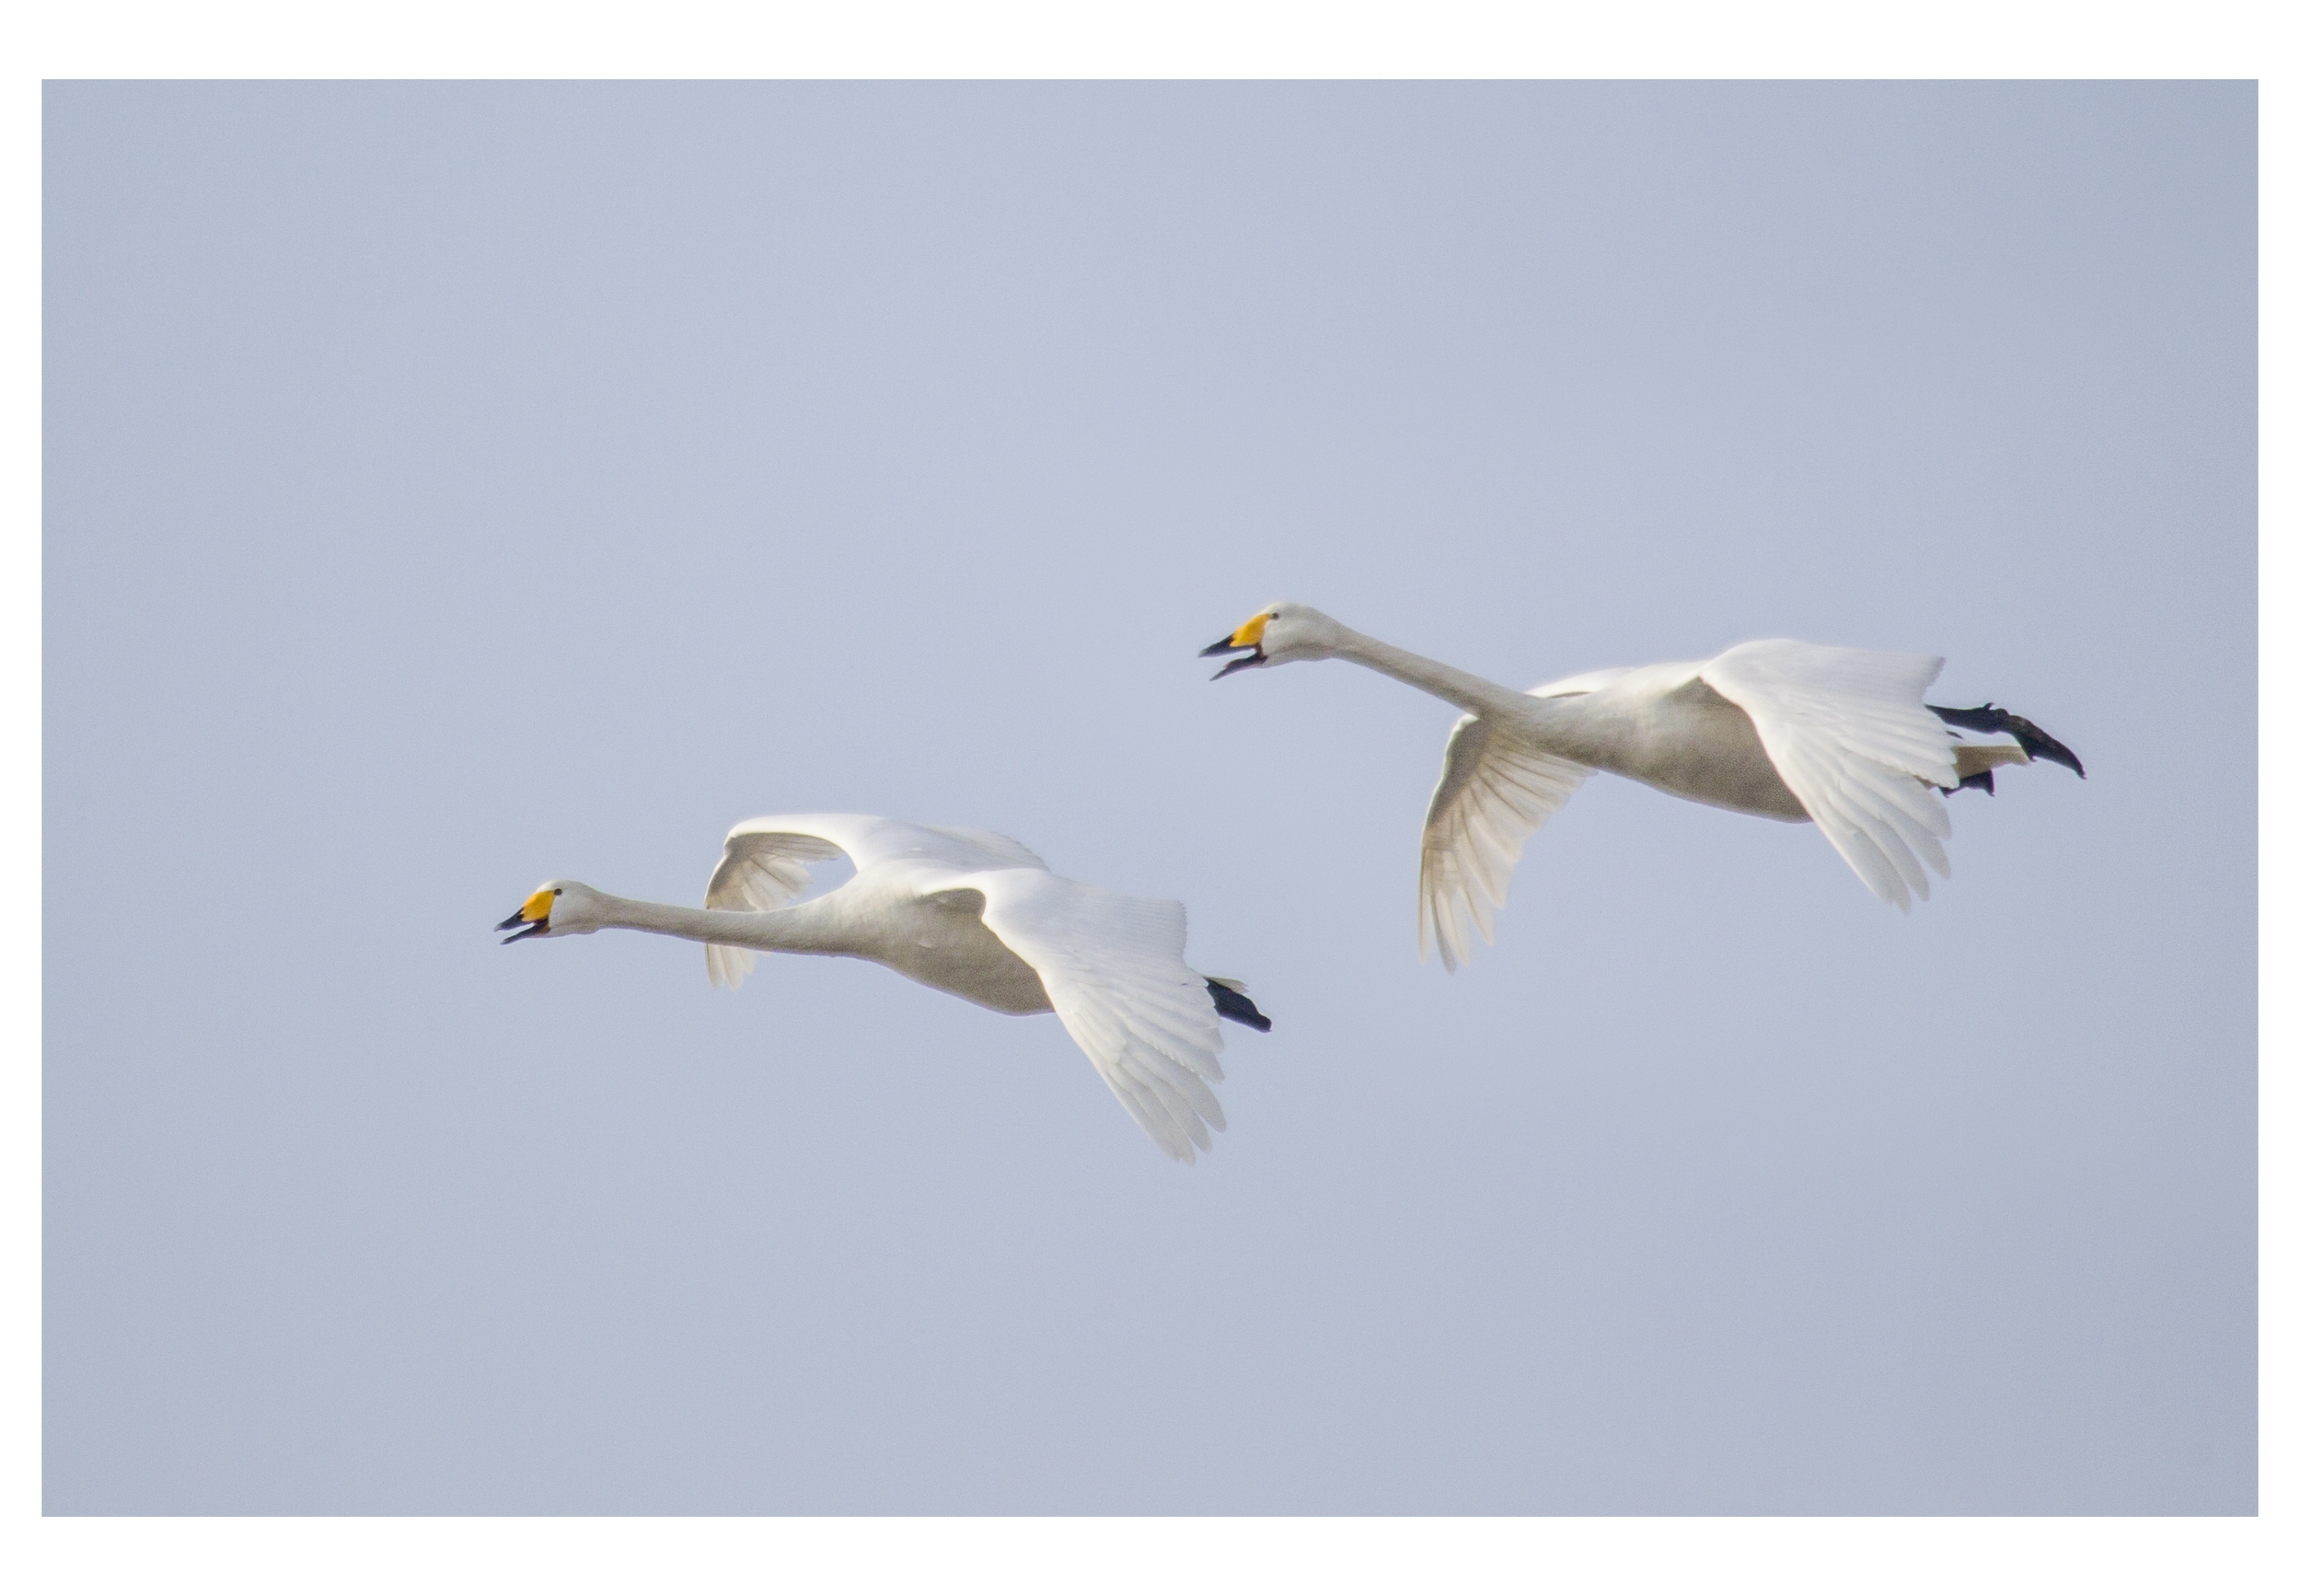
x,y
1458,688
802,928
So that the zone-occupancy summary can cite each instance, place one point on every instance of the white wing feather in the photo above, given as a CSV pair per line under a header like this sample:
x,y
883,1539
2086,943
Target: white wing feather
x,y
871,840
993,849
1588,681
760,869
1112,968
1494,792
1848,731
765,866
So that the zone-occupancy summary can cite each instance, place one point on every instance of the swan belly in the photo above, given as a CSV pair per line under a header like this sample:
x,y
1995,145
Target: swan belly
x,y
948,948
1693,742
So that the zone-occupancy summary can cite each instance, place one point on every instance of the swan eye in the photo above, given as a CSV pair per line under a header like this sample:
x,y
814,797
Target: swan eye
x,y
555,891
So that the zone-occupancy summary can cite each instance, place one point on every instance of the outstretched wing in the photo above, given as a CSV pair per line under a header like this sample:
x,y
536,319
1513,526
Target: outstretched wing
x,y
1112,968
1494,791
1848,731
760,869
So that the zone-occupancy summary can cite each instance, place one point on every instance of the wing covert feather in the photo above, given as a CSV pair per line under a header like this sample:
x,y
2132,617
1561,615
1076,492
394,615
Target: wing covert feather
x,y
1848,732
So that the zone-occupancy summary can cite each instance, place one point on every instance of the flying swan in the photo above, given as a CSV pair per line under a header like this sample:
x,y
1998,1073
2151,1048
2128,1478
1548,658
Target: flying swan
x,y
1841,737
969,912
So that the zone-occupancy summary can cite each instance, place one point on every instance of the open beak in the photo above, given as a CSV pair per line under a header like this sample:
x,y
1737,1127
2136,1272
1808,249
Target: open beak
x,y
1252,651
1246,640
1254,658
533,918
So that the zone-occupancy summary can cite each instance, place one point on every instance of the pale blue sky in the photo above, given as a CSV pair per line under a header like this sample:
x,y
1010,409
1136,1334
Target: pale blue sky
x,y
452,486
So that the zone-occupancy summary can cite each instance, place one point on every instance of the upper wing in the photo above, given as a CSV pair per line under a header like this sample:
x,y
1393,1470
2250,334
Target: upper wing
x,y
1112,968
962,847
874,839
1495,792
1588,681
765,866
760,869
1848,731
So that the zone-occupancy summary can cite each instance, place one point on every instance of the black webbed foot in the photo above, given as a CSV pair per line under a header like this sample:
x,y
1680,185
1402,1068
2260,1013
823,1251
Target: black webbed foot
x,y
2035,741
1234,1005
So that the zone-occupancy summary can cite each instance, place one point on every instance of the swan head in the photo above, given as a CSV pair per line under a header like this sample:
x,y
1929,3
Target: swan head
x,y
556,910
1279,634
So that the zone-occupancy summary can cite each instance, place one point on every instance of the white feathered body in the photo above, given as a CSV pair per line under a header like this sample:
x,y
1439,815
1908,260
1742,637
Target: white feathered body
x,y
1666,727
971,914
1784,730
912,918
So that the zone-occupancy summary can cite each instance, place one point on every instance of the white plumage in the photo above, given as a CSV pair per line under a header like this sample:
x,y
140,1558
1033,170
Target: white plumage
x,y
1788,730
969,912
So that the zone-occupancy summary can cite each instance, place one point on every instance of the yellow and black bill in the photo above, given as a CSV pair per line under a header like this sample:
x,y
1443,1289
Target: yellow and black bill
x,y
534,915
1246,639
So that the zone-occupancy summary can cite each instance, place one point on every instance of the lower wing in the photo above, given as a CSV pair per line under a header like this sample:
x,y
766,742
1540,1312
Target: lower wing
x,y
1112,968
1494,792
1848,731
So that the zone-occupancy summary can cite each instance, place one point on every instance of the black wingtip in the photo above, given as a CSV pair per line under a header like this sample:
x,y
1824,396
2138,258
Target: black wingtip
x,y
1234,1005
2035,741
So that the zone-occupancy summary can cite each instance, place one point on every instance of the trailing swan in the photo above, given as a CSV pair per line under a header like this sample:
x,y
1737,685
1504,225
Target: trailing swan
x,y
1841,737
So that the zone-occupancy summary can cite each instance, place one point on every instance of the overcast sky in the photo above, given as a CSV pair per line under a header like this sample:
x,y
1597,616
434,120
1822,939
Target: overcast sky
x,y
452,486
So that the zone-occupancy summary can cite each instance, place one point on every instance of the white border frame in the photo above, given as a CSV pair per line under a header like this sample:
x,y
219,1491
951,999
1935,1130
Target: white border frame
x,y
1018,38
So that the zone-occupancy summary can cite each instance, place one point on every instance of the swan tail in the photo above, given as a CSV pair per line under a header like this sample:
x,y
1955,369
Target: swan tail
x,y
1977,763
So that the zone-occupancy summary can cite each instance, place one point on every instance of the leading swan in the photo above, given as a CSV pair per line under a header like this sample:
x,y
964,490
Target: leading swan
x,y
969,912
1841,737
